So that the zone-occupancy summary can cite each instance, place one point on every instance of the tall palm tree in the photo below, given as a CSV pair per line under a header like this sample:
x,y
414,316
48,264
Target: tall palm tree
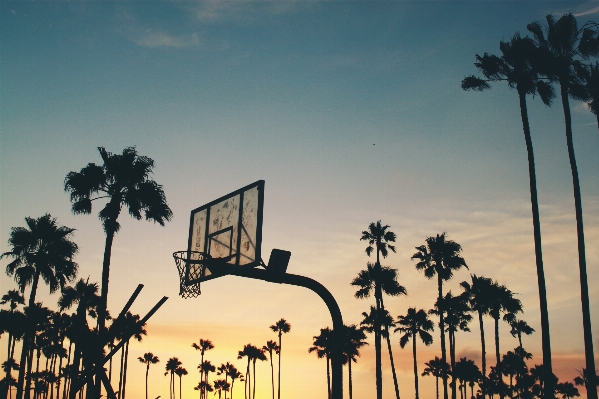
x,y
206,367
353,340
322,345
129,324
520,327
456,316
234,374
270,347
503,301
441,257
563,45
148,359
42,249
180,371
480,296
14,299
415,323
280,327
123,179
379,239
203,346
170,367
380,322
438,369
246,352
256,354
204,386
516,67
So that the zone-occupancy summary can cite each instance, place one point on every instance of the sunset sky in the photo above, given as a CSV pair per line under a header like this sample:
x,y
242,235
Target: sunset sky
x,y
351,112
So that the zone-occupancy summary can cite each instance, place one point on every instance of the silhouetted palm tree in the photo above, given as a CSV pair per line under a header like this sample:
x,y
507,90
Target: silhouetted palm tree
x,y
220,386
518,328
246,352
270,347
180,371
256,354
124,179
234,374
204,386
480,296
466,371
148,359
412,324
440,257
204,345
379,239
10,324
563,44
322,345
567,390
456,316
170,367
437,368
503,301
353,340
280,327
42,249
516,67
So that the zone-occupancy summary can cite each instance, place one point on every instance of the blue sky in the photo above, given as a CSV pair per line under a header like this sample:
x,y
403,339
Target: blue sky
x,y
351,112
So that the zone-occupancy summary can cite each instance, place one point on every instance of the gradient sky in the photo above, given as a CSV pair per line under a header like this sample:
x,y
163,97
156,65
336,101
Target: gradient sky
x,y
351,112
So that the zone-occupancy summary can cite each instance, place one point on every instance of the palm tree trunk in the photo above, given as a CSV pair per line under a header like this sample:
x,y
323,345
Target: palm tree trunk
x,y
415,365
147,371
27,390
27,340
442,328
121,374
254,375
8,371
377,328
482,343
452,360
181,383
582,263
437,386
328,378
497,353
272,377
280,351
392,364
350,379
545,338
248,381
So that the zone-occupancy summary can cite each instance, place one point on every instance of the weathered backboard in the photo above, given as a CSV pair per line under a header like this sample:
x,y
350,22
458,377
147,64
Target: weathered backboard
x,y
228,229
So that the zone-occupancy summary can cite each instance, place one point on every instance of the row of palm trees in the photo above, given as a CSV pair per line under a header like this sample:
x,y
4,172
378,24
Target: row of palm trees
x,y
62,339
558,53
43,249
438,258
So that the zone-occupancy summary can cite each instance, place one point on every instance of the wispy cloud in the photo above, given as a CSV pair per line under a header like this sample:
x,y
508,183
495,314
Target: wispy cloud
x,y
592,10
165,40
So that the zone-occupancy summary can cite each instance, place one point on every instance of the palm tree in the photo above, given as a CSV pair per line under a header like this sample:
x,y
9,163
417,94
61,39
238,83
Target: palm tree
x,y
353,340
204,387
518,328
503,301
270,347
246,352
456,316
129,324
180,371
563,44
323,348
171,365
234,374
256,354
13,298
480,296
148,359
440,257
567,390
437,368
220,386
205,368
204,345
466,371
280,327
124,179
379,238
384,321
412,324
42,249
516,67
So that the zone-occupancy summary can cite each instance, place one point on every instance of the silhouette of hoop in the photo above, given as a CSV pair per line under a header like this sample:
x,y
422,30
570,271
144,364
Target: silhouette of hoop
x,y
192,267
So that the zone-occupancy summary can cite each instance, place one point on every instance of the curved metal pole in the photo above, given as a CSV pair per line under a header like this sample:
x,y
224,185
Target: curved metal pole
x,y
301,281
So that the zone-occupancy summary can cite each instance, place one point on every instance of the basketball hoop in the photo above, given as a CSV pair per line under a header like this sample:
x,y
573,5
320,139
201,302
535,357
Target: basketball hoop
x,y
195,262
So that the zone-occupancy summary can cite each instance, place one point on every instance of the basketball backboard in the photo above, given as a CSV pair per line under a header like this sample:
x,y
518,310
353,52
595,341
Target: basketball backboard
x,y
229,230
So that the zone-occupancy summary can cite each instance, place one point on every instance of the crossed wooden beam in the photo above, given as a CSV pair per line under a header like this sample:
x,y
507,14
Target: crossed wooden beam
x,y
98,369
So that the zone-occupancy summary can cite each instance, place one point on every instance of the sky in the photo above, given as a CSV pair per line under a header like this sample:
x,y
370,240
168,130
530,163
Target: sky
x,y
351,112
